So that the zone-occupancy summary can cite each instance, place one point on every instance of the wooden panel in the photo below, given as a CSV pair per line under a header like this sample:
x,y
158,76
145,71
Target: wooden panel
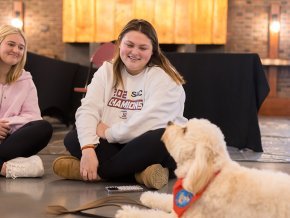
x,y
69,21
275,62
143,10
176,21
273,45
182,22
105,24
202,22
273,104
85,20
272,78
123,14
275,107
219,29
164,17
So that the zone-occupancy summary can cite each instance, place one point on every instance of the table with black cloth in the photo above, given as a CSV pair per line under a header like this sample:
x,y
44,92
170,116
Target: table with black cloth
x,y
227,89
55,81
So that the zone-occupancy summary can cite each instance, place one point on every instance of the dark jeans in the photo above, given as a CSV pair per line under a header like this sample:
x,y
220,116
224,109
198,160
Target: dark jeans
x,y
121,161
26,141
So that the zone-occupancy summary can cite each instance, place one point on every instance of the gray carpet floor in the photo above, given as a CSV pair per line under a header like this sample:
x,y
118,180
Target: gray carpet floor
x,y
275,132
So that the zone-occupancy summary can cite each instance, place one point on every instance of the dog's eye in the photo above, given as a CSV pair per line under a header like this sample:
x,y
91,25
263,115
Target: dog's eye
x,y
184,129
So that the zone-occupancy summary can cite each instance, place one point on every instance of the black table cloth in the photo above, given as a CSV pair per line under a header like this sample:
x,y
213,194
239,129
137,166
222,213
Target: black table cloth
x,y
55,80
228,90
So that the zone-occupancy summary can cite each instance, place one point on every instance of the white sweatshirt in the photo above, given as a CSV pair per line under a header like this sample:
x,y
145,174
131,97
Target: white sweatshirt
x,y
149,100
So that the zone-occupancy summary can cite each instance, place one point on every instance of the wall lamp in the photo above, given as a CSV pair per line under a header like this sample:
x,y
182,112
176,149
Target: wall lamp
x,y
275,18
17,17
275,24
274,30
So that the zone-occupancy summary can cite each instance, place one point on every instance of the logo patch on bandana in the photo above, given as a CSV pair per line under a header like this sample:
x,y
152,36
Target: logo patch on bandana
x,y
183,198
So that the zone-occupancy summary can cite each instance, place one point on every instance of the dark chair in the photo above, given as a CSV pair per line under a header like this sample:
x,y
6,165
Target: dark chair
x,y
104,53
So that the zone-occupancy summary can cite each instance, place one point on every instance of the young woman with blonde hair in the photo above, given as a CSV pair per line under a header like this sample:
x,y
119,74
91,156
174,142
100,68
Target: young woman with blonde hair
x,y
23,133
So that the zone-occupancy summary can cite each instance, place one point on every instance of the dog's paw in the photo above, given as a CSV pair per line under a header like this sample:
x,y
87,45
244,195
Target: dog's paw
x,y
157,200
128,212
134,212
146,197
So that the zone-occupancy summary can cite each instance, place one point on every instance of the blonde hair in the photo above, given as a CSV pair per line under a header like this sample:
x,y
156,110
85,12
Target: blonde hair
x,y
15,71
157,58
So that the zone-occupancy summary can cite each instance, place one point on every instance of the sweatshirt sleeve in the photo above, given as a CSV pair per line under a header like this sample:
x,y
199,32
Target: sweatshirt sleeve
x,y
89,114
164,101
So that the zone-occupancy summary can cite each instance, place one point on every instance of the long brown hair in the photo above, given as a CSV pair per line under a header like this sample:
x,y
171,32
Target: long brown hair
x,y
15,71
157,58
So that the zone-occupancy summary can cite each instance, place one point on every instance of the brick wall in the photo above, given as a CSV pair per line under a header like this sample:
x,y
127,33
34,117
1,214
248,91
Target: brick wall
x,y
248,32
5,11
42,25
248,27
283,83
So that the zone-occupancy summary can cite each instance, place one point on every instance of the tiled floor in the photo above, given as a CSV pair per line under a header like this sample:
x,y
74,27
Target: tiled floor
x,y
28,198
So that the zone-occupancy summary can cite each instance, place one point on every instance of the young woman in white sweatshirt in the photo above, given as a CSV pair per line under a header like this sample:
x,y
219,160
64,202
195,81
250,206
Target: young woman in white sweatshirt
x,y
123,115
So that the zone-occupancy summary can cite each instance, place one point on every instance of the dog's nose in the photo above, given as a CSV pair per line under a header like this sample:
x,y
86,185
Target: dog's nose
x,y
169,123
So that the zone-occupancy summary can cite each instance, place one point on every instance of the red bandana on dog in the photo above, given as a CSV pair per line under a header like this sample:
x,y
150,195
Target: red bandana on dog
x,y
184,199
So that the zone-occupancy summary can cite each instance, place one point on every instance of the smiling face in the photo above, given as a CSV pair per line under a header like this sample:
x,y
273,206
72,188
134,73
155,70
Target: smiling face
x,y
11,50
135,51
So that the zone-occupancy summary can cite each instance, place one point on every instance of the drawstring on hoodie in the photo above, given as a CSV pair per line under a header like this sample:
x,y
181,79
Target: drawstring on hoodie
x,y
2,94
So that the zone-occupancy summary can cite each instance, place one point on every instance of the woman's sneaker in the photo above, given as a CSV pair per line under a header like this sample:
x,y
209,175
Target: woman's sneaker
x,y
154,176
24,167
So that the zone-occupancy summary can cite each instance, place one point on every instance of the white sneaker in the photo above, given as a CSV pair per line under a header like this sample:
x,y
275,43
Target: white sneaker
x,y
24,167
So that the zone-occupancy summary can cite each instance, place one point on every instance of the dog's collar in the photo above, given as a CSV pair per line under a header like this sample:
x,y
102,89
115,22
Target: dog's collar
x,y
183,199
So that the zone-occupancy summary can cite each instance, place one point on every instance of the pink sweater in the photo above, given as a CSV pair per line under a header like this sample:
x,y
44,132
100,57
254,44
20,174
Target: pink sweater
x,y
19,102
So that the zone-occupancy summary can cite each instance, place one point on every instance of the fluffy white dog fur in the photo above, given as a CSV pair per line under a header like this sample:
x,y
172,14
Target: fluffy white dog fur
x,y
200,151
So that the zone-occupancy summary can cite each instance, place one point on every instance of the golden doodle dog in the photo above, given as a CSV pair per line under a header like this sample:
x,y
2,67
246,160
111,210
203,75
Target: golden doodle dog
x,y
211,185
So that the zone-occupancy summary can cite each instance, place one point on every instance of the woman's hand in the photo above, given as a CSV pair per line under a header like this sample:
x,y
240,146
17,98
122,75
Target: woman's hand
x,y
101,128
89,165
4,129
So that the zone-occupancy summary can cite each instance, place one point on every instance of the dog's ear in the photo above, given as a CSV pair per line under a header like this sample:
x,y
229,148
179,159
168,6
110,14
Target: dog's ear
x,y
201,169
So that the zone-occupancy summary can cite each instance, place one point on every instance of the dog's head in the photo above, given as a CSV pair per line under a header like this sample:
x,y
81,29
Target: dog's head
x,y
199,150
